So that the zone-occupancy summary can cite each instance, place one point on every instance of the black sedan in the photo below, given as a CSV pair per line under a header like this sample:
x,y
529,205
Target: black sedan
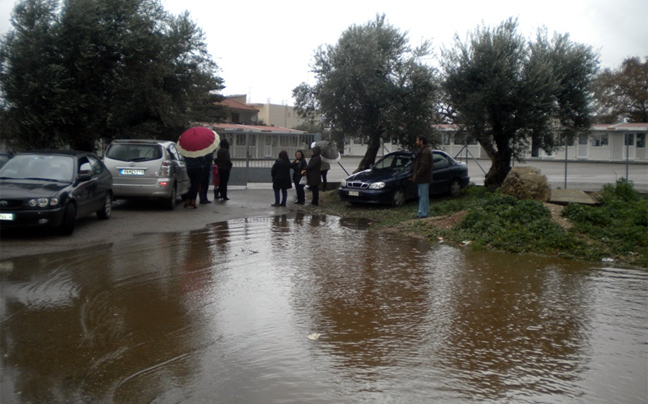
x,y
52,188
388,181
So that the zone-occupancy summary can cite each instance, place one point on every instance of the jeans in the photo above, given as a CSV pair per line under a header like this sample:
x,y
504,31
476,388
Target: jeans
x,y
284,196
424,200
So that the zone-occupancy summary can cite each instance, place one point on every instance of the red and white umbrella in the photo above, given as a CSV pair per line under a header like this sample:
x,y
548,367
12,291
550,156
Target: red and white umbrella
x,y
198,141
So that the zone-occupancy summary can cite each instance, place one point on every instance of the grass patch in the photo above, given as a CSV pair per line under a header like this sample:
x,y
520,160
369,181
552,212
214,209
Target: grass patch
x,y
616,229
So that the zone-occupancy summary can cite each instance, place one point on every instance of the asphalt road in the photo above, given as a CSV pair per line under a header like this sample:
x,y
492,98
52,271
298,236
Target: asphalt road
x,y
131,219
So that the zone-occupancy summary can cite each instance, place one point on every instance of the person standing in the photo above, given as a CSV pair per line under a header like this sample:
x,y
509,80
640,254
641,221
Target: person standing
x,y
194,171
313,175
298,166
324,171
422,176
204,179
224,162
280,172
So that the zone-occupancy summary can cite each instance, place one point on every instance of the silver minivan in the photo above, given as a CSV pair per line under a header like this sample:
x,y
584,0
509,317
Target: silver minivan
x,y
147,169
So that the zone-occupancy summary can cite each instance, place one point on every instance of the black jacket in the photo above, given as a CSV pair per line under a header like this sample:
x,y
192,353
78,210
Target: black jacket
x,y
313,175
280,172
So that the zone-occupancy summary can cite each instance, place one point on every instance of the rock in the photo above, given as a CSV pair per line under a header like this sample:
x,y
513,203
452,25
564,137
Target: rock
x,y
526,183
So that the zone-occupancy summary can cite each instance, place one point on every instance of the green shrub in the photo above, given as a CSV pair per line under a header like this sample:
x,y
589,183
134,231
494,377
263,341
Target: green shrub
x,y
617,228
505,223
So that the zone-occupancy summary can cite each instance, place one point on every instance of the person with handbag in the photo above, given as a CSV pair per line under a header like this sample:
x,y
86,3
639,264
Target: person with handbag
x,y
298,166
313,174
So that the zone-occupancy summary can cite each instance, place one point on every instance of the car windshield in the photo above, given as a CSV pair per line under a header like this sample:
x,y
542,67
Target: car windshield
x,y
39,167
134,152
393,161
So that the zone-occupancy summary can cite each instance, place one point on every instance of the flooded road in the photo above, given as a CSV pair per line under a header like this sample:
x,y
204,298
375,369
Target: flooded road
x,y
316,309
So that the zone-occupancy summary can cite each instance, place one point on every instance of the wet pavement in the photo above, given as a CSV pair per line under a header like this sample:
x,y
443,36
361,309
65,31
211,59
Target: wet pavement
x,y
301,308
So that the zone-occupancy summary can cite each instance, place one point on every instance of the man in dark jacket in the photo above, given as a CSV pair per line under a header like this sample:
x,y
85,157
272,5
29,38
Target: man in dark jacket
x,y
313,176
422,176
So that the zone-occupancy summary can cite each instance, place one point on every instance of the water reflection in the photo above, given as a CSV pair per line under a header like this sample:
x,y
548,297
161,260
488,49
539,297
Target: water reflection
x,y
223,315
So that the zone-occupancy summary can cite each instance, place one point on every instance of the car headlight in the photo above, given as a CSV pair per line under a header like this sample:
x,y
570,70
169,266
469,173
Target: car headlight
x,y
42,202
343,183
377,185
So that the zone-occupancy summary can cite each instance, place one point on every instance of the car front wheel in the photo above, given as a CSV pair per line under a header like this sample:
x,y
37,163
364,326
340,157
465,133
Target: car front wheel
x,y
69,217
398,197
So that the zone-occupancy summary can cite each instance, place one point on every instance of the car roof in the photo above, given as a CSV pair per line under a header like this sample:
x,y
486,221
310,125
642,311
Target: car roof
x,y
143,141
408,152
63,152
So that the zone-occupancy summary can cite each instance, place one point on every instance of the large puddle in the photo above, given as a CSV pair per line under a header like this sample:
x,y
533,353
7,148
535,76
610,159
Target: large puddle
x,y
314,309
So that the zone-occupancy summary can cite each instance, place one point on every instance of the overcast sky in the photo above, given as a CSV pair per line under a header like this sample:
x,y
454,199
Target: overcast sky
x,y
264,48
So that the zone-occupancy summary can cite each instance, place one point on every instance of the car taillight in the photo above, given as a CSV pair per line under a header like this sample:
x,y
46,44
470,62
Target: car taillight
x,y
165,168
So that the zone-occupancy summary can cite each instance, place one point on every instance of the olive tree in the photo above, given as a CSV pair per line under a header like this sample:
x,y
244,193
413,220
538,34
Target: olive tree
x,y
622,94
84,70
371,84
508,92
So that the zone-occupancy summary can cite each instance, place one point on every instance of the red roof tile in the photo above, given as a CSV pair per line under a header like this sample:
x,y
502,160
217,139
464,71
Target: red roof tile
x,y
231,104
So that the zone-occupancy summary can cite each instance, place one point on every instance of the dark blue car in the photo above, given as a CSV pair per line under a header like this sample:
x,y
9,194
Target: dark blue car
x,y
388,181
52,188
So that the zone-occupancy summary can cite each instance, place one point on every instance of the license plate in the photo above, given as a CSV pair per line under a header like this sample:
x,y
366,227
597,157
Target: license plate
x,y
354,193
131,172
6,216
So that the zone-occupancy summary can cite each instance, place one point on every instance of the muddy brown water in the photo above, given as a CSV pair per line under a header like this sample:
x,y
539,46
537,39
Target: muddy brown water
x,y
315,309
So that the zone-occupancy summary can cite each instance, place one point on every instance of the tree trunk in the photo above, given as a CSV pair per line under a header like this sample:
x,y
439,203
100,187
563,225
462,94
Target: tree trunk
x,y
501,165
369,158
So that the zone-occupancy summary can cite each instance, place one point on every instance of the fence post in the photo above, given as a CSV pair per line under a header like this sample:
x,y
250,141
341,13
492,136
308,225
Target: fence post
x,y
247,158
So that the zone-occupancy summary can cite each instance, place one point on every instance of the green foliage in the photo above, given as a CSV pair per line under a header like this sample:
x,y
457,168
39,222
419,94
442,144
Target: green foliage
x,y
622,94
91,70
371,84
619,227
506,90
502,222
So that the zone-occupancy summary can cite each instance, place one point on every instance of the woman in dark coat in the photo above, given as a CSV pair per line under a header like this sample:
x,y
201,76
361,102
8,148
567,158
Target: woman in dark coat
x,y
313,176
281,178
298,166
224,162
204,179
195,167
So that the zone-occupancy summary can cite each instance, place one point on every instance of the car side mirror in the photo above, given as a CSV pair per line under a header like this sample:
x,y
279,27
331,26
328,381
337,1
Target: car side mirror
x,y
85,175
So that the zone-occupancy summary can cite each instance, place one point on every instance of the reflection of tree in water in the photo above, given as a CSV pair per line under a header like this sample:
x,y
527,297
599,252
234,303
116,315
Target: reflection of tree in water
x,y
517,326
115,326
365,294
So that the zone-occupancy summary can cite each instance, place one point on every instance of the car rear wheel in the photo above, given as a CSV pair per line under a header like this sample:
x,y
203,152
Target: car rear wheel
x,y
398,197
170,203
106,210
69,217
455,188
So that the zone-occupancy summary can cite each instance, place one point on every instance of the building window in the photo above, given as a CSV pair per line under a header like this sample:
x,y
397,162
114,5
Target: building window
x,y
463,139
629,139
641,140
560,139
600,140
240,140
